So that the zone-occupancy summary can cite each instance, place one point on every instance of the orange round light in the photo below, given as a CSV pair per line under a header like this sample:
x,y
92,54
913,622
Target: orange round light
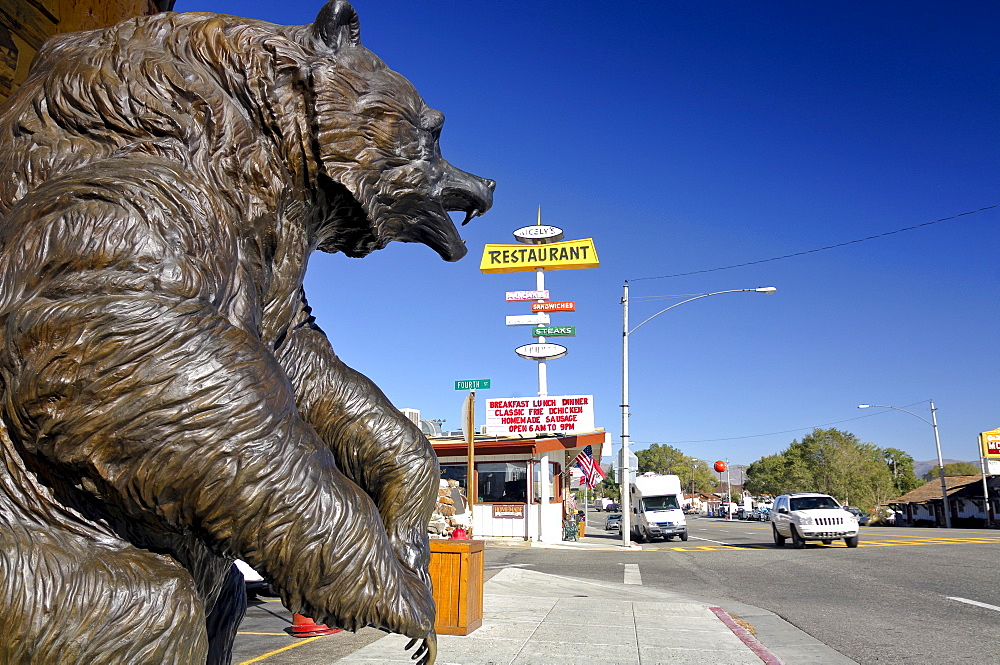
x,y
720,466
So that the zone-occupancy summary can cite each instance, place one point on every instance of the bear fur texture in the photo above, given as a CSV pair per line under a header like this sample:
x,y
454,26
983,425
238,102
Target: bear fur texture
x,y
167,402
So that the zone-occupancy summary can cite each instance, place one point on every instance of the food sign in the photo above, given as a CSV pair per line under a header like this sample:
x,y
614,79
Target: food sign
x,y
568,414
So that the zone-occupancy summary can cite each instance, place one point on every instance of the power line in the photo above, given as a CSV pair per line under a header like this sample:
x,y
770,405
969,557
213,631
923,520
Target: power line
x,y
787,431
818,249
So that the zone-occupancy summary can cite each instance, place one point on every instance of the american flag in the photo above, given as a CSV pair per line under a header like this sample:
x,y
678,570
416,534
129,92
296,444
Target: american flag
x,y
592,473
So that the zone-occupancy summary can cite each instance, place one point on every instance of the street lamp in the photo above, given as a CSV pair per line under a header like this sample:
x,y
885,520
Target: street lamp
x,y
626,527
937,441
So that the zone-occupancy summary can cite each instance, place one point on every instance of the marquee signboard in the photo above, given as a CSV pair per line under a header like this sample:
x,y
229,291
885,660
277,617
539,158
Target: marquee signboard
x,y
544,351
520,296
568,414
568,255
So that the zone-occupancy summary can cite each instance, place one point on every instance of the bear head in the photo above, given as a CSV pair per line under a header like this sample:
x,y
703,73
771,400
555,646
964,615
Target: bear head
x,y
378,139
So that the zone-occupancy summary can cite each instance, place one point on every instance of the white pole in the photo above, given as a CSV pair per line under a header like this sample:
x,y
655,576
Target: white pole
x,y
626,474
624,480
986,488
543,497
543,378
944,485
729,493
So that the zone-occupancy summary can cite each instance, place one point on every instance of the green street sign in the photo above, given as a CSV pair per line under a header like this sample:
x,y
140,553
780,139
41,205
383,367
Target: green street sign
x,y
554,331
472,384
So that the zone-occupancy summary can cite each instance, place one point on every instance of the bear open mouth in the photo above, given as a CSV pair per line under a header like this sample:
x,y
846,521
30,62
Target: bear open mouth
x,y
459,201
440,234
466,193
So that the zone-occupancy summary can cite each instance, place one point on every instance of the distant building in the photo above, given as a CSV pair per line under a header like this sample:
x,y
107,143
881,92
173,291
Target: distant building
x,y
923,506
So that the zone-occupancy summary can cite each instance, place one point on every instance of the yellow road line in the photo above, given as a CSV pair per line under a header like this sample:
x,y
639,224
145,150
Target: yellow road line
x,y
862,543
277,651
244,632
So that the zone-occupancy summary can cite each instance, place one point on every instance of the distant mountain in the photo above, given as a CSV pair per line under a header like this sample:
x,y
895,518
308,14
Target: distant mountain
x,y
920,468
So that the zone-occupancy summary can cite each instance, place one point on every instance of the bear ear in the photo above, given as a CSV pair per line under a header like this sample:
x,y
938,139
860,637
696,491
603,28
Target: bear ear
x,y
337,25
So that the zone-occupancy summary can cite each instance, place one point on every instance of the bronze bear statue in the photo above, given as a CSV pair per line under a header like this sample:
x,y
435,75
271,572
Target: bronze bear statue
x,y
167,402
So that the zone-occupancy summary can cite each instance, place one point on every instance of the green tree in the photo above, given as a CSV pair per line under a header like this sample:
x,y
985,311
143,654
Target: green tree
x,y
768,475
829,461
900,465
609,487
954,469
663,459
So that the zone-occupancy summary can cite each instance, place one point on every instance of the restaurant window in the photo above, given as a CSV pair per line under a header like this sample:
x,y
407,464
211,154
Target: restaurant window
x,y
502,482
454,472
536,482
499,482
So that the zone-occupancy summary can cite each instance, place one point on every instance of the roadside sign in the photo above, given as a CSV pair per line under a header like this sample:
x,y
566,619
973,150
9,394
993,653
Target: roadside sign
x,y
517,296
541,351
528,320
990,442
569,414
554,331
472,384
632,465
567,255
537,235
563,306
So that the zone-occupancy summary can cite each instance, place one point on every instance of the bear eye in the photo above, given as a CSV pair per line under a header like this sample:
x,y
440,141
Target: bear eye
x,y
432,120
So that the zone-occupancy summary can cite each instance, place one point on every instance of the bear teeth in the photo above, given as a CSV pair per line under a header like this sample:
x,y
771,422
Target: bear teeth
x,y
469,214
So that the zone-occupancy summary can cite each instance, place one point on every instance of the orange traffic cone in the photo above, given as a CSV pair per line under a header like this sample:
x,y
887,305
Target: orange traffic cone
x,y
303,626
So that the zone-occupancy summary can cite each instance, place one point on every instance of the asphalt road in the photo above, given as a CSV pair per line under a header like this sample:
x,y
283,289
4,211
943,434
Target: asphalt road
x,y
893,600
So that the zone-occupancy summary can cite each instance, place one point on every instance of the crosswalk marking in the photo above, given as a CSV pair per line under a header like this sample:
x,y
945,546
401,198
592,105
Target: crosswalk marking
x,y
632,575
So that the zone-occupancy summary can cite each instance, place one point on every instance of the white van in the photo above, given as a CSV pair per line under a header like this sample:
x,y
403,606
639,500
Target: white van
x,y
657,512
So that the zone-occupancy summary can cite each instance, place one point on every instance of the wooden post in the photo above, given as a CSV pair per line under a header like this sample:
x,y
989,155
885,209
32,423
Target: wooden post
x,y
469,423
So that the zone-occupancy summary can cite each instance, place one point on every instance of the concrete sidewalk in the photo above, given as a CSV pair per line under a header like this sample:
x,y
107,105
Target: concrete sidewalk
x,y
533,618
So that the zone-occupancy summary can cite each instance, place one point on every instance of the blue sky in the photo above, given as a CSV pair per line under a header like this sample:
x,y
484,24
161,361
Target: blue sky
x,y
682,137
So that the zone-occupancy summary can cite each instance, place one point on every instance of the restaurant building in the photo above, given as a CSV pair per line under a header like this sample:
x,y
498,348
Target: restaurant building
x,y
521,483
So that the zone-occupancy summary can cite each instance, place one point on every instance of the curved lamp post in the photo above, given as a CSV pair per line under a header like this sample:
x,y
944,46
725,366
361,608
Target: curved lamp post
x,y
626,527
937,441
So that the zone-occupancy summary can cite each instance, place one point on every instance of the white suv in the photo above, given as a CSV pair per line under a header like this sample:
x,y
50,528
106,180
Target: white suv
x,y
804,516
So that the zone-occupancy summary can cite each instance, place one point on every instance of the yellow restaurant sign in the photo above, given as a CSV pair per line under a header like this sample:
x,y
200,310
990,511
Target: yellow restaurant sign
x,y
567,255
990,442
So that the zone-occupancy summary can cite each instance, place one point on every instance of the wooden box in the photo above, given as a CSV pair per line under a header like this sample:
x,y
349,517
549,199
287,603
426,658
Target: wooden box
x,y
457,575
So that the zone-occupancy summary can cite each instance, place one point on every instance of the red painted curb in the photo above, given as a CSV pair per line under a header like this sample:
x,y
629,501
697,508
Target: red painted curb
x,y
762,651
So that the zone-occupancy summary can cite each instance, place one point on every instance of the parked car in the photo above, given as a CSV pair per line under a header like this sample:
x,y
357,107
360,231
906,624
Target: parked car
x,y
804,516
613,522
862,516
256,584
